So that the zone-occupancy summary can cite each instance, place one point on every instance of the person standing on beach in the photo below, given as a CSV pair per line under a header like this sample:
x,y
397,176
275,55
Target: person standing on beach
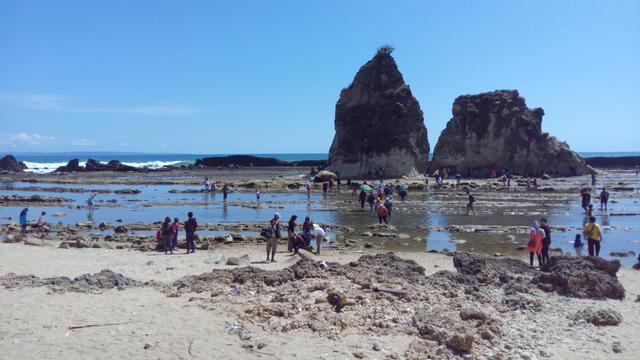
x,y
272,243
23,220
363,198
586,199
175,229
535,184
166,232
291,232
535,243
308,191
546,242
90,202
577,245
371,198
458,179
382,214
225,192
258,195
593,178
402,192
604,199
307,227
472,200
190,227
593,234
388,203
207,185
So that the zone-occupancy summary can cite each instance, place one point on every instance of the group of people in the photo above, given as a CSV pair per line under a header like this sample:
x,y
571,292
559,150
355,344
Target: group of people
x,y
296,241
213,187
24,222
440,175
167,236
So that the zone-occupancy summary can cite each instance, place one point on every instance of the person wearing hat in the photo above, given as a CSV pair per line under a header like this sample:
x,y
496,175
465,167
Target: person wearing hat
x,y
272,243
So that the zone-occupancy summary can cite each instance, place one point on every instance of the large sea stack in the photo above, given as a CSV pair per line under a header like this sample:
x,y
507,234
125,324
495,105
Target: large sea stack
x,y
496,130
379,126
9,163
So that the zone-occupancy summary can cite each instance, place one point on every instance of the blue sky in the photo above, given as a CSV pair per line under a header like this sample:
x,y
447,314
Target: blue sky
x,y
264,76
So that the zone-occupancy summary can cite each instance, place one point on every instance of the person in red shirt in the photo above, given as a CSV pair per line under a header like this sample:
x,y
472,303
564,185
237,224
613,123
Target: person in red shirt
x,y
382,214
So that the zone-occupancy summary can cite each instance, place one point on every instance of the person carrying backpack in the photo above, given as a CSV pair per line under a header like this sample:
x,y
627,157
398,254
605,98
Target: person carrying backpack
x,y
190,227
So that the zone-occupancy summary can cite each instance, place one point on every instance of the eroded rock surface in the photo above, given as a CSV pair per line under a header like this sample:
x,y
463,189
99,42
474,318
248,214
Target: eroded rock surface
x,y
497,130
379,125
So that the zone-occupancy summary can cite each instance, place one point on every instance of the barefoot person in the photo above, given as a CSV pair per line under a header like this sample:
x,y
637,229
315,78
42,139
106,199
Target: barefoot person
x,y
190,227
586,199
272,243
593,234
174,238
535,243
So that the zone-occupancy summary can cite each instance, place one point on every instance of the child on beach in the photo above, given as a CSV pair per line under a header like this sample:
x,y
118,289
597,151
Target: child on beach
x,y
577,245
175,229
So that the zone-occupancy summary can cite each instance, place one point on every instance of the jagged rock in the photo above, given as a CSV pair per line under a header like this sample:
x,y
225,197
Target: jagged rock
x,y
497,130
581,277
72,166
234,260
379,124
120,229
113,165
324,175
462,342
9,163
600,317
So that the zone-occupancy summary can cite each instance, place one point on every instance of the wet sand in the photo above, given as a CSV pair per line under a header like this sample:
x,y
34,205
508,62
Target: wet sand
x,y
158,321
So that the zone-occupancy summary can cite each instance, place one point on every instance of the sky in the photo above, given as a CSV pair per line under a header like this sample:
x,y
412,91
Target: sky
x,y
224,77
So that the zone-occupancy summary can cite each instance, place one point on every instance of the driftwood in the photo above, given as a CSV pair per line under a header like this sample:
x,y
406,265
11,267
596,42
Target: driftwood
x,y
92,325
398,292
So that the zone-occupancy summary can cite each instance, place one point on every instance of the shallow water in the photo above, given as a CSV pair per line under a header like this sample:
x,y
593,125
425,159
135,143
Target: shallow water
x,y
516,209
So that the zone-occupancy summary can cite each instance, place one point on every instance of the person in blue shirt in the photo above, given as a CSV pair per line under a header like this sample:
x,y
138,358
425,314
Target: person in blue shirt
x,y
23,219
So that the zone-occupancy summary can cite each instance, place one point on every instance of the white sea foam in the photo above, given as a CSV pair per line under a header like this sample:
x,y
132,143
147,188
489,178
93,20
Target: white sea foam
x,y
45,167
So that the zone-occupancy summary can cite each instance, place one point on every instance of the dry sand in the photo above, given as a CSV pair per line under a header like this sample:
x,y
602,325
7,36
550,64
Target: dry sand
x,y
34,322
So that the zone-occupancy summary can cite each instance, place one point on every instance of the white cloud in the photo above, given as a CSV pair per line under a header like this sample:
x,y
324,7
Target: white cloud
x,y
122,143
82,142
25,138
61,103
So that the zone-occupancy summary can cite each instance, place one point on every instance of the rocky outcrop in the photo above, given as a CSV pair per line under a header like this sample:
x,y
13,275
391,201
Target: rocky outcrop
x,y
497,130
581,277
250,160
614,162
113,165
380,128
95,165
72,166
9,163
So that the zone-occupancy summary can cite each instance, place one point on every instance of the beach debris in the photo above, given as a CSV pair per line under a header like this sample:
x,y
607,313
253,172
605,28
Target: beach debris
x,y
147,346
214,259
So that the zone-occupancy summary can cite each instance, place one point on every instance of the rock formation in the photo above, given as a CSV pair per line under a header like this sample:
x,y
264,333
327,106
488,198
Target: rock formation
x,y
250,160
9,163
497,130
379,124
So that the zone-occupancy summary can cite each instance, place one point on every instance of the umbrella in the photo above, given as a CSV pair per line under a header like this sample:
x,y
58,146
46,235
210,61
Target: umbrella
x,y
365,187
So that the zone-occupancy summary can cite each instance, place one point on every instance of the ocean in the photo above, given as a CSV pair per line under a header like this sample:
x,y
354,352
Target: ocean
x,y
47,162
